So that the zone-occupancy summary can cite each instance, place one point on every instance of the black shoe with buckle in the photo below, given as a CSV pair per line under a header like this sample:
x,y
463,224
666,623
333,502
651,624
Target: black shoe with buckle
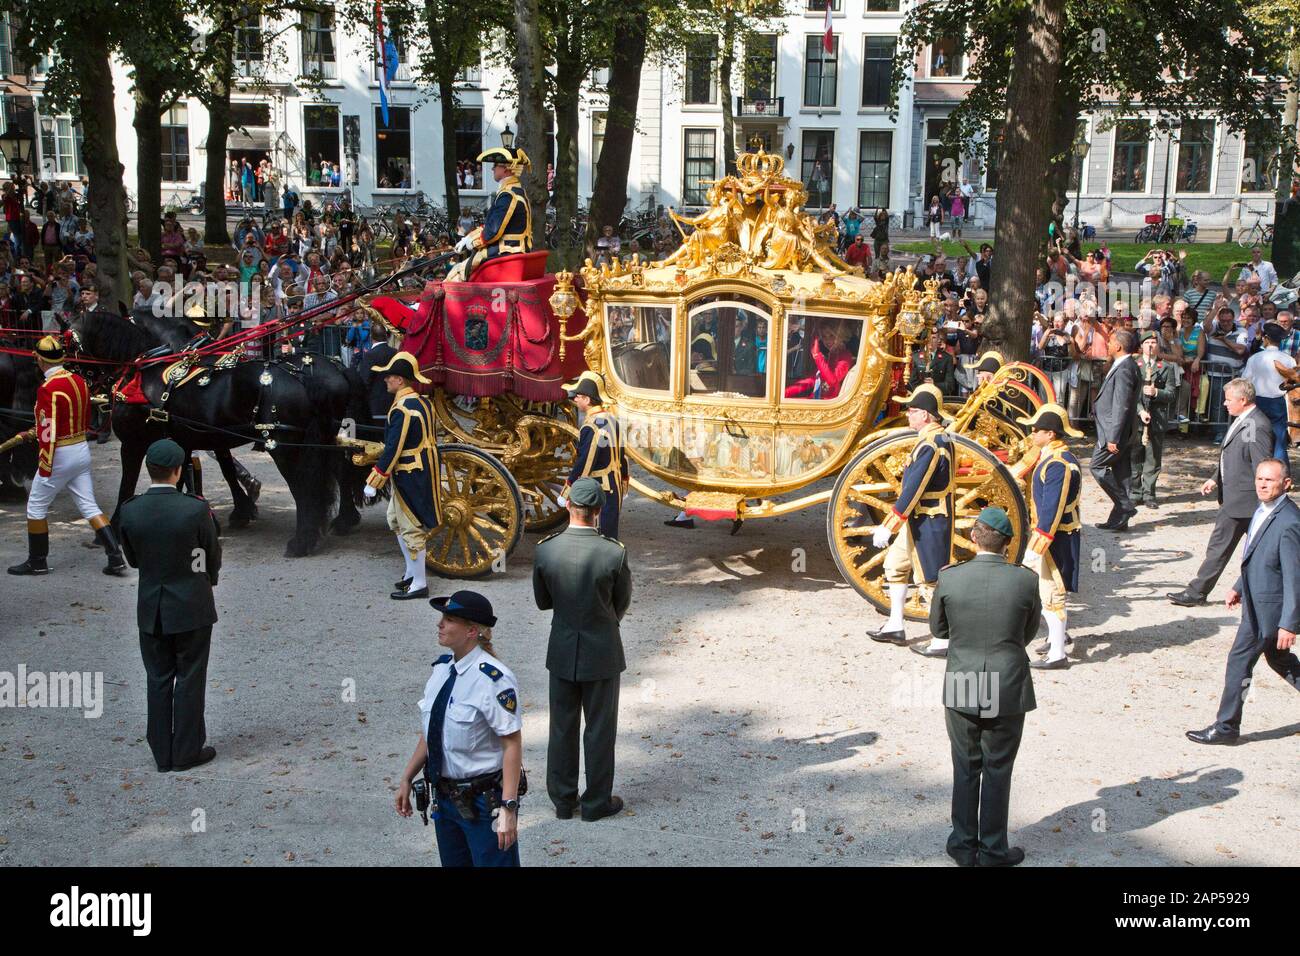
x,y
888,637
403,584
687,523
409,595
1060,664
929,650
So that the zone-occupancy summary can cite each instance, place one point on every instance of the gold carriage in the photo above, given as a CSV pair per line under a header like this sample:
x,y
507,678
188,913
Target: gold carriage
x,y
753,363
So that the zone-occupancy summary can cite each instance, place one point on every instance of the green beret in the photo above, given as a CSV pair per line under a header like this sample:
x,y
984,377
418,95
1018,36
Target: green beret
x,y
997,520
165,453
1145,336
587,493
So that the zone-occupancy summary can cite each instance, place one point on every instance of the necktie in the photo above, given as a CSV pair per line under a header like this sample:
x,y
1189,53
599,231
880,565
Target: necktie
x,y
436,719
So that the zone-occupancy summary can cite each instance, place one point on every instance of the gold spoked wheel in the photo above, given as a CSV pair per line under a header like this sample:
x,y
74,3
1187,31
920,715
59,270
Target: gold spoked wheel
x,y
482,514
868,487
536,441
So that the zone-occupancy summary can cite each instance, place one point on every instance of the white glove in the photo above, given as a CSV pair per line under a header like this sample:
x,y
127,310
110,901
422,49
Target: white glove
x,y
465,244
369,491
880,537
562,502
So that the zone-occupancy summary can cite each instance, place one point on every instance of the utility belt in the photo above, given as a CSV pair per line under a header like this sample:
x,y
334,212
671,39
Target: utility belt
x,y
1073,524
462,792
511,244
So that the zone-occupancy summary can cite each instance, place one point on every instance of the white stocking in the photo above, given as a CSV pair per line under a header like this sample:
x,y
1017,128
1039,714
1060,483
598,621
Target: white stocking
x,y
897,597
417,572
1055,636
406,557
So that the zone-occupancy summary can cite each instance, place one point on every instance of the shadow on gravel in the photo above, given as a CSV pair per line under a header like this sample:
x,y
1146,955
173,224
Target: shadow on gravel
x,y
1125,808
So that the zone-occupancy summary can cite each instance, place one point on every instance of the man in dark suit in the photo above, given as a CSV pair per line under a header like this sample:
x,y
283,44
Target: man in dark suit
x,y
583,576
987,610
1249,441
172,539
1114,411
1268,592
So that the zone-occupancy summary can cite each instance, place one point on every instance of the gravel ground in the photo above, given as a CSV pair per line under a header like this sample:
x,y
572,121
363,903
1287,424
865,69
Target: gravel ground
x,y
758,723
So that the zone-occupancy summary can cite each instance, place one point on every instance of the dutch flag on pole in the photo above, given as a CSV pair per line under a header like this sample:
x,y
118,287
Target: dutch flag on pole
x,y
828,41
386,53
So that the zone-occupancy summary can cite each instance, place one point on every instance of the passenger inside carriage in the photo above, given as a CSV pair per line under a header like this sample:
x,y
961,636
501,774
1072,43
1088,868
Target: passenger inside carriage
x,y
729,352
833,352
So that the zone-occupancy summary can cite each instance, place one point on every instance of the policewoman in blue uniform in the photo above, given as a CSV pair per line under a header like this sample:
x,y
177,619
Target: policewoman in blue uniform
x,y
508,226
920,523
600,450
1054,545
410,461
471,750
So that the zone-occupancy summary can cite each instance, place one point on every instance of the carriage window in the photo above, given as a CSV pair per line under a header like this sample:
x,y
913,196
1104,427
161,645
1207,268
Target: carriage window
x,y
728,350
820,355
640,340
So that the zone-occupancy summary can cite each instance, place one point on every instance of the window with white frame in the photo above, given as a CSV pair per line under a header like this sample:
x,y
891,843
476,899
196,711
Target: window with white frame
x,y
598,120
249,46
61,147
320,136
471,75
393,148
821,71
1259,158
882,6
6,47
819,6
1195,156
701,165
818,166
1129,168
469,144
877,68
702,70
176,144
874,162
946,57
760,67
318,44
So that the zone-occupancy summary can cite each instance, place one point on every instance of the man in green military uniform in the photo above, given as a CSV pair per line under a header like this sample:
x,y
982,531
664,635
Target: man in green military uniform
x,y
508,226
172,539
1158,389
987,610
583,577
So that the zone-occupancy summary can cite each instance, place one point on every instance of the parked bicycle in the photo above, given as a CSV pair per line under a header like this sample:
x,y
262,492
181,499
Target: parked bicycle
x,y
1257,234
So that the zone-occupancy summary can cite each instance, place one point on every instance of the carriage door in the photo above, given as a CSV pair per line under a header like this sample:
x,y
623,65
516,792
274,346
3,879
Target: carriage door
x,y
728,347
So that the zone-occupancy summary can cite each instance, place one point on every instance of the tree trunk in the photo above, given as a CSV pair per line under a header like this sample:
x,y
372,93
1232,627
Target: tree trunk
x,y
569,249
1285,254
99,152
530,120
724,91
148,171
1023,210
609,192
447,101
218,104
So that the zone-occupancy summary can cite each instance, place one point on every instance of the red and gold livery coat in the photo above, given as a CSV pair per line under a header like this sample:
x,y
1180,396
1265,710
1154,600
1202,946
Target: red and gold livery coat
x,y
62,415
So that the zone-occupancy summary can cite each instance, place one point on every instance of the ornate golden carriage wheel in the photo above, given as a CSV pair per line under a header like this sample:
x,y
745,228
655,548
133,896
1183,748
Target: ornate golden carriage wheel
x,y
868,487
482,514
536,441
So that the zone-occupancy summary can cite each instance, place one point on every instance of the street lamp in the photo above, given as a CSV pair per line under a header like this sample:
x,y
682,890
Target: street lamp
x,y
17,147
1080,152
1170,129
508,137
47,124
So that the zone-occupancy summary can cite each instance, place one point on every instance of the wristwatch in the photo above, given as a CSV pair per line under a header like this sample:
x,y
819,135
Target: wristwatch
x,y
511,805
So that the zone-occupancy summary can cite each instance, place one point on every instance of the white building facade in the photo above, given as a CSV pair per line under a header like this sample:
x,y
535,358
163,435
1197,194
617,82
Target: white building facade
x,y
825,113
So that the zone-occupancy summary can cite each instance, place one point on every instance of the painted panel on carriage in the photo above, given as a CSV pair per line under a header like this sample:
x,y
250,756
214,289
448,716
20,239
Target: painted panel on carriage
x,y
798,453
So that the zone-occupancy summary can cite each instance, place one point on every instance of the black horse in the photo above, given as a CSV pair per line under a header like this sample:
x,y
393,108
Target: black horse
x,y
19,379
291,407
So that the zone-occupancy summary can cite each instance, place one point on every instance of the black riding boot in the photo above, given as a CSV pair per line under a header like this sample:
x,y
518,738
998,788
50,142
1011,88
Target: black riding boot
x,y
116,563
38,550
252,487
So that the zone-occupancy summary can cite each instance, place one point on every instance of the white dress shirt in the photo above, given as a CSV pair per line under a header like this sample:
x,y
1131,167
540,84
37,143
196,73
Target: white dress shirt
x,y
1260,516
482,710
1262,374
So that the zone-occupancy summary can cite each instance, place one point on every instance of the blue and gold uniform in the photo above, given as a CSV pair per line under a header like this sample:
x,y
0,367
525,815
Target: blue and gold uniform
x,y
600,452
923,512
920,523
1054,546
410,460
508,225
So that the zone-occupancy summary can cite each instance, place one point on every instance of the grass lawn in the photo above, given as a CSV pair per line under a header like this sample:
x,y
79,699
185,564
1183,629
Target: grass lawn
x,y
1213,257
